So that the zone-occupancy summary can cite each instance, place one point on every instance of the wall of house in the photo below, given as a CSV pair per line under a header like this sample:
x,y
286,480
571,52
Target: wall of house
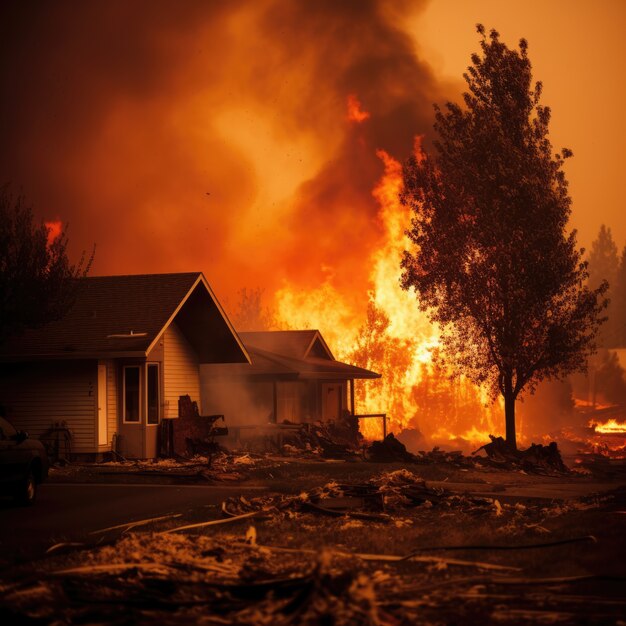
x,y
180,371
240,402
36,395
112,398
296,401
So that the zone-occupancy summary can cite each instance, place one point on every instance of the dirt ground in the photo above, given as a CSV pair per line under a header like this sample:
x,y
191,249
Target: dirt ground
x,y
345,543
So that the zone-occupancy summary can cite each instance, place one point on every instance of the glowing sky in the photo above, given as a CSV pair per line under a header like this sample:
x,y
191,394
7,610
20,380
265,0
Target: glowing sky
x,y
578,51
216,136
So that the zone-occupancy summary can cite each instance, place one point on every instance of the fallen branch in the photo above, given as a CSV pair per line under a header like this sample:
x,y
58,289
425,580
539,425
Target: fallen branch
x,y
64,544
111,567
141,522
215,522
393,558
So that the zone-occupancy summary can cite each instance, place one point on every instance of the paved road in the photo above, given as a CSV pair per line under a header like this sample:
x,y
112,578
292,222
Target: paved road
x,y
69,512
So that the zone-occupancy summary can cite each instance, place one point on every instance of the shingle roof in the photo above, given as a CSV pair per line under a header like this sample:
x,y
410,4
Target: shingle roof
x,y
107,306
280,362
290,343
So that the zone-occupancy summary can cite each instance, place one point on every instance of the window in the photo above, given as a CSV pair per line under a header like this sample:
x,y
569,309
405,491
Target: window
x,y
152,391
131,394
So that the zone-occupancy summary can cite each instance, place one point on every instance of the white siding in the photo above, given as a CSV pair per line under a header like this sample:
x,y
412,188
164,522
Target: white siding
x,y
112,398
181,375
37,395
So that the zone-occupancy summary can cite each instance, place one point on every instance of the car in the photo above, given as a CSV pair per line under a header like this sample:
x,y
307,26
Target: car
x,y
23,463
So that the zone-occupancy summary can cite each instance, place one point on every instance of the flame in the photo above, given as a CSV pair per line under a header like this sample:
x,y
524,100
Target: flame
x,y
355,112
395,339
54,227
609,427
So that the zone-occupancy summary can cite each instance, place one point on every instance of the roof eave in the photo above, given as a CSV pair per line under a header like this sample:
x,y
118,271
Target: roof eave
x,y
73,356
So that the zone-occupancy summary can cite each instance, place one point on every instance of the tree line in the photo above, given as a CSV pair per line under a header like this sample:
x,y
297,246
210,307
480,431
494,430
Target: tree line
x,y
605,264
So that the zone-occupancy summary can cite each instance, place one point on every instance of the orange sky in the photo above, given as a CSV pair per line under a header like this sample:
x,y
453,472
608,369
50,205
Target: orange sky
x,y
216,136
578,51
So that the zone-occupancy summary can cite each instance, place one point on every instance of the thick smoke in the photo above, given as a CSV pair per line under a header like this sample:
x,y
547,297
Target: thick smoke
x,y
211,135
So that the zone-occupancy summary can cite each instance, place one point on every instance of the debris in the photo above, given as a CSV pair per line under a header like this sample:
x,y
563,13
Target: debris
x,y
389,450
537,459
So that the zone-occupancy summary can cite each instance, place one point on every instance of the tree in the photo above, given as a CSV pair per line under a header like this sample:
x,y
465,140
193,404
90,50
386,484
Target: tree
x,y
250,314
37,282
603,266
492,263
619,302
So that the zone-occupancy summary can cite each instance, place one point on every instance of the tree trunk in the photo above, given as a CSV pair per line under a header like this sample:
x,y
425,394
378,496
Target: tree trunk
x,y
509,417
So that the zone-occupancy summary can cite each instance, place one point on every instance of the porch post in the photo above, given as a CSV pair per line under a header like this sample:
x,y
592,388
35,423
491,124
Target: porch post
x,y
352,396
275,420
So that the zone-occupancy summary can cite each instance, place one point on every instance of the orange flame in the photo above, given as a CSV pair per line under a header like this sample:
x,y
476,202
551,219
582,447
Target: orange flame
x,y
396,340
355,112
609,427
55,227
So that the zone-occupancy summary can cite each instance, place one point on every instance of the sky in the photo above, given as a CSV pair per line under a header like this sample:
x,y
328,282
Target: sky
x,y
244,139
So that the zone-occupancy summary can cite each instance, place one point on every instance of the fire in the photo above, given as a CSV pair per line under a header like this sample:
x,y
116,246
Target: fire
x,y
54,227
395,339
355,112
611,427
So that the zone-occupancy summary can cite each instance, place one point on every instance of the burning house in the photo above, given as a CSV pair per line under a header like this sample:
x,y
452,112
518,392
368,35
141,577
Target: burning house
x,y
293,378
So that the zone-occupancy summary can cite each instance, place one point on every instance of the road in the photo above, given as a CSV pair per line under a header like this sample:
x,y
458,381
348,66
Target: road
x,y
69,512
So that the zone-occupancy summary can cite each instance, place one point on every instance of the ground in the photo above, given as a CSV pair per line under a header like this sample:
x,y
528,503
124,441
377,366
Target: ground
x,y
314,542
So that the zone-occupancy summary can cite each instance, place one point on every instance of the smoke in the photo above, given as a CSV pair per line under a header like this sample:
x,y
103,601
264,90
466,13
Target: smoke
x,y
212,135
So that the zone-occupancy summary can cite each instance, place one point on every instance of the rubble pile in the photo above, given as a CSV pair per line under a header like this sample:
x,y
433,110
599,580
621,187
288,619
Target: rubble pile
x,y
537,459
380,499
389,450
320,439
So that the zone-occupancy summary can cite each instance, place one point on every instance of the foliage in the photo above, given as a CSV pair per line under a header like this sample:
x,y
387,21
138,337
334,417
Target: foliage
x,y
619,304
603,266
610,378
37,281
492,263
390,356
251,314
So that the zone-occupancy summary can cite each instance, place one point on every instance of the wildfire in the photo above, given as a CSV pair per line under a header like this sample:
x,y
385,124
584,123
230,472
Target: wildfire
x,y
355,112
611,427
395,339
55,228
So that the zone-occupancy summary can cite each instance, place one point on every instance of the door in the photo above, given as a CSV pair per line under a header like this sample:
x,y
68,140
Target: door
x,y
103,436
331,401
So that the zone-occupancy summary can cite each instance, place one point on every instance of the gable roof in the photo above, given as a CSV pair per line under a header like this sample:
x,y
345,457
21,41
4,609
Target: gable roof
x,y
298,344
124,316
294,355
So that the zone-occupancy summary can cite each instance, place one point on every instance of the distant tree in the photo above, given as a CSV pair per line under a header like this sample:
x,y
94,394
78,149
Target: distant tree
x,y
251,314
619,303
492,263
610,378
37,281
603,266
377,350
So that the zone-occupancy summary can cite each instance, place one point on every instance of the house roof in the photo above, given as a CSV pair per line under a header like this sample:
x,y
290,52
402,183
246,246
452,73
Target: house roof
x,y
298,344
116,316
296,354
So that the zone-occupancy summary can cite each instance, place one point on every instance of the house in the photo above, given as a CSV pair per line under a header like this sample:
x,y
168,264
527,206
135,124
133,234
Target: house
x,y
293,377
118,362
